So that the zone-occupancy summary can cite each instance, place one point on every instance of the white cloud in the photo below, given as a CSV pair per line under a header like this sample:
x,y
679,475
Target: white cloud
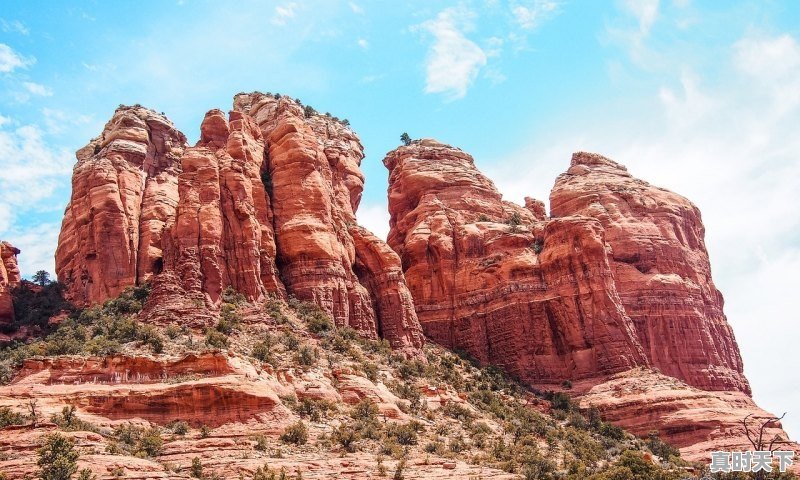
x,y
774,64
356,8
645,11
284,13
11,60
37,89
375,218
32,170
363,43
531,15
57,121
37,245
453,60
14,26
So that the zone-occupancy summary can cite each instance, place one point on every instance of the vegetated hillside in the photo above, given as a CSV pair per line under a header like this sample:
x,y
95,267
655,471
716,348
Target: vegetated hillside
x,y
273,390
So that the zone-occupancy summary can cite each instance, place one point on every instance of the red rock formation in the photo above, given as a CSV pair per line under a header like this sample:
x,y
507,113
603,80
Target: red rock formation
x,y
481,283
264,203
660,268
222,232
9,278
124,190
696,421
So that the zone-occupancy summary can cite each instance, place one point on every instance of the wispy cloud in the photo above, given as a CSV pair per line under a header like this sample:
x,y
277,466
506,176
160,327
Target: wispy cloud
x,y
645,13
32,169
453,60
13,26
284,13
37,89
356,8
10,60
363,43
530,15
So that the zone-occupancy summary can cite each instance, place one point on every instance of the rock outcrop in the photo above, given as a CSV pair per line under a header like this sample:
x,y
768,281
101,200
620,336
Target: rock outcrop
x,y
482,282
9,278
696,421
661,270
614,287
124,191
264,204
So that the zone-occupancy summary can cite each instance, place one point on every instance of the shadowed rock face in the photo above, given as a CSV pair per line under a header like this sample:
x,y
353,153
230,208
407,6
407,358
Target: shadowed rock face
x,y
485,286
264,203
9,278
617,277
661,270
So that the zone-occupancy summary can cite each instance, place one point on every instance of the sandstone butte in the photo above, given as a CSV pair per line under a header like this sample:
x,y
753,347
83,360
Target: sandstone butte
x,y
264,203
611,292
9,278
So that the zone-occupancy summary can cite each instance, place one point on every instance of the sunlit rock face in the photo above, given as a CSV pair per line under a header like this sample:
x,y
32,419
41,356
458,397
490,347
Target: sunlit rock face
x,y
264,204
661,270
617,276
533,295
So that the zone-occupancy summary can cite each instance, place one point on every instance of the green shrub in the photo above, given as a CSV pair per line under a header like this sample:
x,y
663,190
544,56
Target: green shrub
x,y
179,427
296,433
346,436
197,468
306,356
290,341
216,339
10,417
262,445
402,434
364,410
263,349
58,459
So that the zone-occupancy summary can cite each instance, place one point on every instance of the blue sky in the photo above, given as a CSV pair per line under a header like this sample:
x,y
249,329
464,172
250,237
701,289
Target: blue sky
x,y
699,97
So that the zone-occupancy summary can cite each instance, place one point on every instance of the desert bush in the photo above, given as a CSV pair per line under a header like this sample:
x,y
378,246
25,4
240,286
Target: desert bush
x,y
58,459
296,433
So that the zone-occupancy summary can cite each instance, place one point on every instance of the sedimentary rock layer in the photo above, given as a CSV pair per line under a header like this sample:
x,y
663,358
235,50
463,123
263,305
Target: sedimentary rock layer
x,y
482,282
124,191
9,278
661,270
618,276
264,203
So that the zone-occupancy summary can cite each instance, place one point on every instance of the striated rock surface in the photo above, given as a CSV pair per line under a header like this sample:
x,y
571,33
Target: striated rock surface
x,y
661,270
9,278
264,204
482,283
696,421
222,231
614,287
124,191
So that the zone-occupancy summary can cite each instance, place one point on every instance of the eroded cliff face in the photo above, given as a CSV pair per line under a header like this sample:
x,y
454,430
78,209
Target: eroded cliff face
x,y
482,282
264,203
124,191
617,277
661,270
9,278
610,290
